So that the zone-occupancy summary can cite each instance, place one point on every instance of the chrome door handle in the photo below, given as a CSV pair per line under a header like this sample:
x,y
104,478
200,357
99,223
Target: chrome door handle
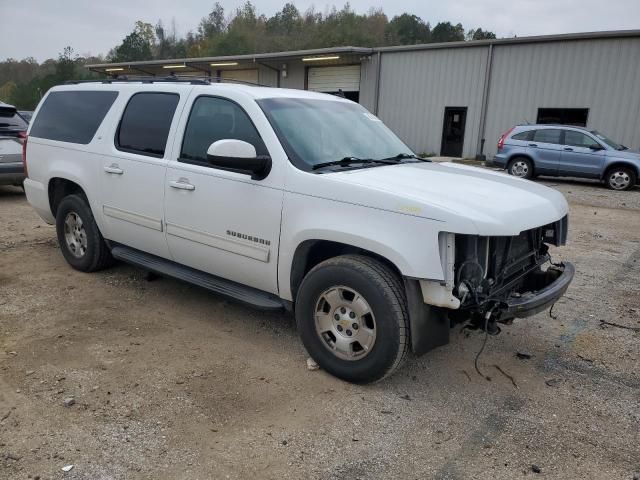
x,y
113,168
533,144
568,149
182,184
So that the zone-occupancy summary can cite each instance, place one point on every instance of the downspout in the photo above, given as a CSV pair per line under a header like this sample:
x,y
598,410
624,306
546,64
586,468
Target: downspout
x,y
376,99
483,109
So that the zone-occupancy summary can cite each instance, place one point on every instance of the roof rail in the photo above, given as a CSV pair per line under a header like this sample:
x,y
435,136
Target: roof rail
x,y
141,79
168,79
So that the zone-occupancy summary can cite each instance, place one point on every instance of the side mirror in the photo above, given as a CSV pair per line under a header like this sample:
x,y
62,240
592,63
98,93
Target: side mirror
x,y
239,156
596,147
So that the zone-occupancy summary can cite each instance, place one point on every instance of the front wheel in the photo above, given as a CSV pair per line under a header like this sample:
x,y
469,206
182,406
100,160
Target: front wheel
x,y
80,239
620,178
521,167
352,318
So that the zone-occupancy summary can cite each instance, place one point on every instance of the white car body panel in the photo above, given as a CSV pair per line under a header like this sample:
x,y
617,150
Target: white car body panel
x,y
395,211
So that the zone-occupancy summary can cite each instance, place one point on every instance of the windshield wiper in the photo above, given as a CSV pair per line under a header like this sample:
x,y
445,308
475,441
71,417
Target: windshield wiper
x,y
347,161
405,156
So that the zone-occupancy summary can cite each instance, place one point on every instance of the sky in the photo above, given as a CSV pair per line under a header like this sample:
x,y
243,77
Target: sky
x,y
42,28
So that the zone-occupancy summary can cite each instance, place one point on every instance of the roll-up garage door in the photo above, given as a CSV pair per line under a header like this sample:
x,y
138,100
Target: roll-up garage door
x,y
333,79
249,75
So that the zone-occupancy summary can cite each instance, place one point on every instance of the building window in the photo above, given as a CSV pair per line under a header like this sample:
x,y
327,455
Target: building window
x,y
564,116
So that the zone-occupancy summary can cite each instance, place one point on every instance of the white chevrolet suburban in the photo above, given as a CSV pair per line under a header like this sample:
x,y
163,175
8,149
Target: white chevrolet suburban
x,y
297,200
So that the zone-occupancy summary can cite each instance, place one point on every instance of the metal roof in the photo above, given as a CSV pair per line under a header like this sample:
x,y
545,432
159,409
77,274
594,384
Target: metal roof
x,y
197,63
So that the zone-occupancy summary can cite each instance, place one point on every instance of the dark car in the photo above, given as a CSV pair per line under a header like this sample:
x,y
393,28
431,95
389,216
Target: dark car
x,y
13,133
567,151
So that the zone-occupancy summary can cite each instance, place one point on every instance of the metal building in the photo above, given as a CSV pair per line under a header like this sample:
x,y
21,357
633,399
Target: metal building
x,y
455,98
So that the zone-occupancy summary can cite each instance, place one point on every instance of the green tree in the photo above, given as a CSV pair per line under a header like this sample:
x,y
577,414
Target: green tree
x,y
479,34
408,29
135,46
446,32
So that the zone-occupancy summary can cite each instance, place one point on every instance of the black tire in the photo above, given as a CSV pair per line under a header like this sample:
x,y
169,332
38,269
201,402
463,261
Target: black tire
x,y
521,167
95,255
620,178
383,292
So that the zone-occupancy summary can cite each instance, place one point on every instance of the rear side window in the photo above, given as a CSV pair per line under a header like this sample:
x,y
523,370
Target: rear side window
x,y
524,136
145,123
550,135
72,116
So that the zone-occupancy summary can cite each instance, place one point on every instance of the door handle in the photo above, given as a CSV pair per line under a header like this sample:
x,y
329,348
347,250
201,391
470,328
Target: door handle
x,y
533,144
114,168
568,149
182,184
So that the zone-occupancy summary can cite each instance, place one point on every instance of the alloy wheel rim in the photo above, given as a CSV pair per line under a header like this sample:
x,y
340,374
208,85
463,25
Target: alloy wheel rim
x,y
345,323
75,235
520,169
619,180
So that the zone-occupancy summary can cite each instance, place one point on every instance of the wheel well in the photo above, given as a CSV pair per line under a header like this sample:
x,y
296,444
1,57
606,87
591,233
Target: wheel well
x,y
312,252
58,189
621,164
520,155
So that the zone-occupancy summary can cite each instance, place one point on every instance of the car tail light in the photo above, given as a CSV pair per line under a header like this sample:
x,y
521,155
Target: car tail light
x,y
22,137
504,137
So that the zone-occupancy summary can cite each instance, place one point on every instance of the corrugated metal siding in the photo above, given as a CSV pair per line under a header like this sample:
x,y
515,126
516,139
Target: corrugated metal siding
x,y
368,71
332,79
267,76
416,86
295,76
601,75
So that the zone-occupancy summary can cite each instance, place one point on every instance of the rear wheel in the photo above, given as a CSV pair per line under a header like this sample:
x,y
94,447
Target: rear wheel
x,y
521,167
80,240
352,318
620,178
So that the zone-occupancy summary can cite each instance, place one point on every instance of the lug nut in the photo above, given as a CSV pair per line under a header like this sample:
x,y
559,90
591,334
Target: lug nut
x,y
352,315
343,310
336,316
339,327
349,332
354,326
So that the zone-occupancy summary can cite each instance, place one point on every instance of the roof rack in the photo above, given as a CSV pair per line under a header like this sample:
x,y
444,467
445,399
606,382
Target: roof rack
x,y
167,79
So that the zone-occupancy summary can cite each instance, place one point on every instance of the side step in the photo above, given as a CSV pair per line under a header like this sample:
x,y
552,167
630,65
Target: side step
x,y
161,266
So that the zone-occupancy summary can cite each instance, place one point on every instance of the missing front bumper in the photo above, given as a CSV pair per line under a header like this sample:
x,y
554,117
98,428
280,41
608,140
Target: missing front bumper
x,y
552,284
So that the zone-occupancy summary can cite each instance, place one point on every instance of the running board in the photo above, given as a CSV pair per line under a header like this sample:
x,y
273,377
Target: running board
x,y
161,266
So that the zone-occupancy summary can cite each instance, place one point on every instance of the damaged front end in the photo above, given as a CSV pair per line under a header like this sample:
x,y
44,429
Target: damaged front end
x,y
487,279
500,278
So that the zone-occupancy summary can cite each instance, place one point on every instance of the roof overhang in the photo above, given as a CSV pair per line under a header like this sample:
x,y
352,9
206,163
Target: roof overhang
x,y
209,65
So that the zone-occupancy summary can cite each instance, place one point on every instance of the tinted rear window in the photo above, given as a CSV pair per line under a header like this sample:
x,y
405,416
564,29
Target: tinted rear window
x,y
145,123
72,116
10,120
523,135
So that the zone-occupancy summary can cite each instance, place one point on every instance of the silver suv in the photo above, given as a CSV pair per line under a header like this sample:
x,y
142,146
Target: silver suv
x,y
13,130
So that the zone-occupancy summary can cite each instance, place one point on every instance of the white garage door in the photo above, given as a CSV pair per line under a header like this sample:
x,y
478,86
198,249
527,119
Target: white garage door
x,y
332,79
242,75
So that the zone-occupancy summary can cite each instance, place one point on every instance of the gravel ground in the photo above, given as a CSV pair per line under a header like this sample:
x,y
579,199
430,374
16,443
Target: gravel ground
x,y
170,382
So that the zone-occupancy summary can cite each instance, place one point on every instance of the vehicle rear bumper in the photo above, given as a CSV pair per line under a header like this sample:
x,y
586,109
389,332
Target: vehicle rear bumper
x,y
11,173
498,160
38,197
528,304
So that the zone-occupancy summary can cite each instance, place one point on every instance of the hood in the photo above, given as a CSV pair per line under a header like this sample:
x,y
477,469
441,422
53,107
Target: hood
x,y
469,199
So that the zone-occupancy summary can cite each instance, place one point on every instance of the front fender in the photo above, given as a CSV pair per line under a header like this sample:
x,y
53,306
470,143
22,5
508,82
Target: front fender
x,y
408,242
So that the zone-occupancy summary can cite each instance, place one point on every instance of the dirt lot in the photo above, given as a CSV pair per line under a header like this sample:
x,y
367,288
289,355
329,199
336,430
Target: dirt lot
x,y
171,382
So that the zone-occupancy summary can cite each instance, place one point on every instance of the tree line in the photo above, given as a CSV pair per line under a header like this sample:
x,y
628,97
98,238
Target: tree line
x,y
23,82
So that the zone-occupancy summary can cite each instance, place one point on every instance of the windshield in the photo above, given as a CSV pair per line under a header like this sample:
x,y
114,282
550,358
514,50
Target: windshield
x,y
318,131
607,140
